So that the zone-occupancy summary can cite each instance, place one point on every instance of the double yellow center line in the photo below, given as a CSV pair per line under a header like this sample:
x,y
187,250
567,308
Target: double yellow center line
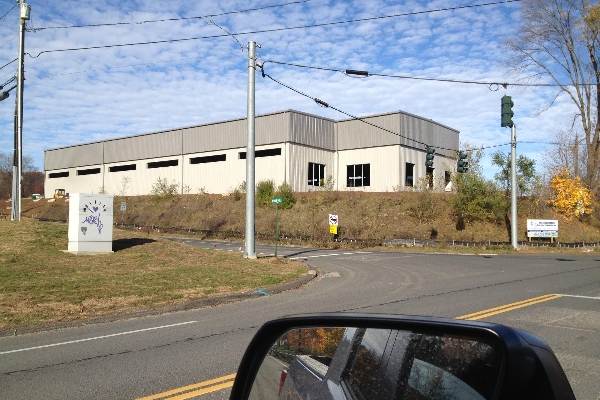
x,y
197,389
508,307
224,382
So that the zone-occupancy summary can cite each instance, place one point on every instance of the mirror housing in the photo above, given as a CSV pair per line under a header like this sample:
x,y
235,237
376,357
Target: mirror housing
x,y
529,369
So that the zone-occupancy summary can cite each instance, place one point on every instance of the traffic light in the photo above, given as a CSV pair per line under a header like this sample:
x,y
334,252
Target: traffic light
x,y
429,157
507,112
4,95
462,165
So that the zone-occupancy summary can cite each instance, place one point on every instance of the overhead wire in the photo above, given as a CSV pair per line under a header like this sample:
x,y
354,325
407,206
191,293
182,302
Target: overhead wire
x,y
327,105
172,19
281,29
366,74
8,63
6,13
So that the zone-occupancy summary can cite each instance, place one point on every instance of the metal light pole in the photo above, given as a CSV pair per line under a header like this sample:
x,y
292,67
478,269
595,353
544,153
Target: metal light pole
x,y
250,251
513,184
24,10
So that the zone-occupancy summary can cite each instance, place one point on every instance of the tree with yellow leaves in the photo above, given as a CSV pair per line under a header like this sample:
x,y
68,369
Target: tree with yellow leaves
x,y
570,196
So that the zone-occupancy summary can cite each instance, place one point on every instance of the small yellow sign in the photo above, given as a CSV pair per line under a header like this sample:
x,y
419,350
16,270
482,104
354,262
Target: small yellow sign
x,y
333,229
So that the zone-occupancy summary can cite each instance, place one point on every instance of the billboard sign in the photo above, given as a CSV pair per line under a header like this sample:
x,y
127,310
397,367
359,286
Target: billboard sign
x,y
544,228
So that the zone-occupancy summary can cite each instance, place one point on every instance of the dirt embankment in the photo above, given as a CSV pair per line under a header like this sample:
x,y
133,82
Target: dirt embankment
x,y
393,215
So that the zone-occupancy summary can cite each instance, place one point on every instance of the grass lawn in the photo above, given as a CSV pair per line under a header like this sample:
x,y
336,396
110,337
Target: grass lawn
x,y
39,283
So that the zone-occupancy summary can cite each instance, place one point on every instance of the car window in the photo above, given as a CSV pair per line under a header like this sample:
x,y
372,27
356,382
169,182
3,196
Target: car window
x,y
366,365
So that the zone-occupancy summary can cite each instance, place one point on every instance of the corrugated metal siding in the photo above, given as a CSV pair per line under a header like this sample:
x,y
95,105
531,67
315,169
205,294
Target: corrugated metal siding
x,y
312,131
413,132
74,156
161,144
428,132
221,136
299,157
354,134
273,128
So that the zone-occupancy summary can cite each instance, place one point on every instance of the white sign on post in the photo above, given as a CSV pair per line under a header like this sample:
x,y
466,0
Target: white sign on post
x,y
90,223
545,228
333,219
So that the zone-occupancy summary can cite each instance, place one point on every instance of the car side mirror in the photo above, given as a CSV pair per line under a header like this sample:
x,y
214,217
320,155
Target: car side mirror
x,y
368,356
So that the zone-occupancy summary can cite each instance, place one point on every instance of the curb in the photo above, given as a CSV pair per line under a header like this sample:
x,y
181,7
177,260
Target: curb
x,y
190,305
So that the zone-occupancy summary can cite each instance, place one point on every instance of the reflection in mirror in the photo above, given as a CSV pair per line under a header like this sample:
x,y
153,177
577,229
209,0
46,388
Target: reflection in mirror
x,y
368,363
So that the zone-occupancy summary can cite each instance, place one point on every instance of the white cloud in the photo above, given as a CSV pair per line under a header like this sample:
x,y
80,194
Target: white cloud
x,y
79,96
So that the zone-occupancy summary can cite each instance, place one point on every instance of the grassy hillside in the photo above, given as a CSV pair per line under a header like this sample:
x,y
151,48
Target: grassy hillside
x,y
393,215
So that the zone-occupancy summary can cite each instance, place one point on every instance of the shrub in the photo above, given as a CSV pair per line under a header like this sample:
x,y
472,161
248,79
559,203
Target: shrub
x,y
162,188
265,191
285,192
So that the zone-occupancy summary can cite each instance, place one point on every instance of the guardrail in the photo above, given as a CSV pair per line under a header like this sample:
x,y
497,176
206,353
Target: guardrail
x,y
230,234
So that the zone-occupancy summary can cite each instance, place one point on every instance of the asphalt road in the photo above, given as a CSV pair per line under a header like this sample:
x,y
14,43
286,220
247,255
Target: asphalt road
x,y
195,353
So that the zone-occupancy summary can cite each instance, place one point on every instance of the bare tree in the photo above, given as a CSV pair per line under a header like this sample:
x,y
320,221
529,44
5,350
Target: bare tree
x,y
566,152
559,39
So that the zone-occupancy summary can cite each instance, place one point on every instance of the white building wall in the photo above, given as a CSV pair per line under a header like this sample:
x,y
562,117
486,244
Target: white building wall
x,y
75,183
384,161
299,158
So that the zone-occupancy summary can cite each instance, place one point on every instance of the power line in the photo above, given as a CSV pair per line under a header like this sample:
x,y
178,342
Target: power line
x,y
367,74
8,63
171,19
6,13
326,105
280,29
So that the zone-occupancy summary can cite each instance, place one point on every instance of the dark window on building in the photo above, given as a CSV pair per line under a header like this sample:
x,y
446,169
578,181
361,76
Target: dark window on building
x,y
447,177
358,175
262,153
91,171
163,164
208,159
120,168
53,175
316,174
410,175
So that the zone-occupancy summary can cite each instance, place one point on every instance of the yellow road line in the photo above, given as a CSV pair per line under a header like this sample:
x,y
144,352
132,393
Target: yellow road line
x,y
508,307
202,391
195,386
215,384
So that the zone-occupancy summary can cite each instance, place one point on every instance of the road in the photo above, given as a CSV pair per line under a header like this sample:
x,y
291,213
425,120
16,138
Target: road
x,y
193,354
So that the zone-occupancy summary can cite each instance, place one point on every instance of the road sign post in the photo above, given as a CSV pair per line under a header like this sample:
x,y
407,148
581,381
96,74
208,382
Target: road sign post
x,y
276,201
123,208
333,224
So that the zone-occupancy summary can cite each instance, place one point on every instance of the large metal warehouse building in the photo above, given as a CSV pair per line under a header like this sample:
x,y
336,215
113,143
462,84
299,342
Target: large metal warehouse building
x,y
300,149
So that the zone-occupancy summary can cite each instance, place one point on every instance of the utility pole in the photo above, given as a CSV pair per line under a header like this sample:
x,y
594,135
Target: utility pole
x,y
250,251
24,10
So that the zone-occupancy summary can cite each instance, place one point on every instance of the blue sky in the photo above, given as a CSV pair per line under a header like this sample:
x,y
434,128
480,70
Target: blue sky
x,y
79,96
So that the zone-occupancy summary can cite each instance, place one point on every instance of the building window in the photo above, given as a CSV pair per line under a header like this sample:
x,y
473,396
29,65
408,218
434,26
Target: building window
x,y
208,159
410,175
53,175
163,164
358,175
262,153
447,178
316,174
91,171
120,168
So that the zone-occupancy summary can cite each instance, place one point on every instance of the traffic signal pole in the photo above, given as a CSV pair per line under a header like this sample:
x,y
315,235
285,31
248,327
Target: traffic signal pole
x,y
513,185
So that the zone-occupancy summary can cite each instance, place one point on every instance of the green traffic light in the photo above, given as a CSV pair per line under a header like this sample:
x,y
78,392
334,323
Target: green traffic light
x,y
507,112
